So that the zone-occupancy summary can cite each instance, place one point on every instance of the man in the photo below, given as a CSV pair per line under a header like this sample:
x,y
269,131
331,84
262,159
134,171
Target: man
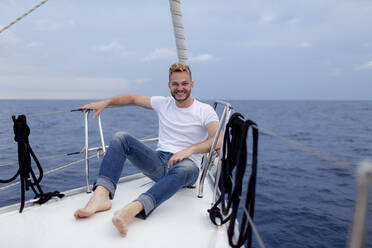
x,y
186,130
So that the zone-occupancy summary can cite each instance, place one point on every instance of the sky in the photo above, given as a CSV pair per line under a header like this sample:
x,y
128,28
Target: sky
x,y
249,49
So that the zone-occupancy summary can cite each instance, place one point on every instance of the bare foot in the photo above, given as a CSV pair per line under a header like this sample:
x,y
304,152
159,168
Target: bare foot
x,y
100,201
124,216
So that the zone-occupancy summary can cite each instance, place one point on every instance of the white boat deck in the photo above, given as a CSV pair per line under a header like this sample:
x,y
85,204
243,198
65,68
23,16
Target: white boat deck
x,y
182,221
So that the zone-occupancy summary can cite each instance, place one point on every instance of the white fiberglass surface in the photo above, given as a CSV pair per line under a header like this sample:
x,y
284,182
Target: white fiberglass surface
x,y
182,221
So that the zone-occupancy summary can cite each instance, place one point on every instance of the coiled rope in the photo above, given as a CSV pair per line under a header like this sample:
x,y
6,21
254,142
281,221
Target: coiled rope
x,y
22,16
227,210
234,158
28,179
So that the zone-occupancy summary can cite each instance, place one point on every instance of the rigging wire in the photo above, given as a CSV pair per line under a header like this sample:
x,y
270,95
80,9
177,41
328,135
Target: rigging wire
x,y
50,171
40,114
44,158
8,117
72,153
251,223
299,146
67,165
295,144
22,16
315,152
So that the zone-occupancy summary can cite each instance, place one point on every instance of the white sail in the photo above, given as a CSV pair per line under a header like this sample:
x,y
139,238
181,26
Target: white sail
x,y
178,29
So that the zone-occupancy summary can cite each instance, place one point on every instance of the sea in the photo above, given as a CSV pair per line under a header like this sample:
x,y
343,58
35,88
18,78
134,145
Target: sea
x,y
302,200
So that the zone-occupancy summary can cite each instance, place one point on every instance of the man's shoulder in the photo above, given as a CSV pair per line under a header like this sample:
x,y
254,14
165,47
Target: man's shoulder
x,y
157,101
160,97
203,105
206,112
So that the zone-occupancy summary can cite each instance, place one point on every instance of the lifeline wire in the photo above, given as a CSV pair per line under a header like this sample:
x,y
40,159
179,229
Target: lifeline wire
x,y
65,154
40,114
50,171
295,144
22,16
259,240
50,113
43,158
299,146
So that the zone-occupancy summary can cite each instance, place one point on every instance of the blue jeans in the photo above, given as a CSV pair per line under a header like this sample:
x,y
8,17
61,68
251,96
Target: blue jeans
x,y
153,164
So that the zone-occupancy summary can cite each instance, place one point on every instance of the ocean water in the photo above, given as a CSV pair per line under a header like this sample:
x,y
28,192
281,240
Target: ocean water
x,y
301,200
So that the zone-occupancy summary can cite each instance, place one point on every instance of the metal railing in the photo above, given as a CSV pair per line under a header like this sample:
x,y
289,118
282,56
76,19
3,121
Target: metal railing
x,y
207,159
101,150
360,222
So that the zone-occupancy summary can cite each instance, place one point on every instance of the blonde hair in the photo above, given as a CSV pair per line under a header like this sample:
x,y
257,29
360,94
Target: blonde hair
x,y
179,67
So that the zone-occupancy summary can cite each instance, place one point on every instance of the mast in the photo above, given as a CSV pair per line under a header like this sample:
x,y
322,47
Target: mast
x,y
178,29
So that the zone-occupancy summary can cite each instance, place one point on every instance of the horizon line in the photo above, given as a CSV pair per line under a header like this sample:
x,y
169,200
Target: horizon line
x,y
204,99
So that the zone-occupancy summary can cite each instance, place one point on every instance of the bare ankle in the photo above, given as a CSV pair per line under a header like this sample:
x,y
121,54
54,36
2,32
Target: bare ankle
x,y
101,191
132,208
137,207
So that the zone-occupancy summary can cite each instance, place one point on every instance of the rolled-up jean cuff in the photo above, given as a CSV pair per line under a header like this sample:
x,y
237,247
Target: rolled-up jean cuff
x,y
105,182
148,205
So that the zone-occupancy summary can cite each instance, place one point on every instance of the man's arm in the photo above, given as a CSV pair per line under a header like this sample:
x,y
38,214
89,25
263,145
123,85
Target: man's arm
x,y
202,147
120,100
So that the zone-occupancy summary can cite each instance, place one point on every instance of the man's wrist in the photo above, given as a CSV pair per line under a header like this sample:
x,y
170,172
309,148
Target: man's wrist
x,y
107,102
192,149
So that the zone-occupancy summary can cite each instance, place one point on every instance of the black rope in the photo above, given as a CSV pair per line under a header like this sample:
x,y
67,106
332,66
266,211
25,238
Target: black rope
x,y
234,157
27,175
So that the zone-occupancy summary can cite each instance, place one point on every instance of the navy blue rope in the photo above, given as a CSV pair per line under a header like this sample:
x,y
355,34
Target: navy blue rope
x,y
27,175
234,157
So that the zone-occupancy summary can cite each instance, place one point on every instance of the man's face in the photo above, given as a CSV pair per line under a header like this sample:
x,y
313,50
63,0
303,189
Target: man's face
x,y
180,85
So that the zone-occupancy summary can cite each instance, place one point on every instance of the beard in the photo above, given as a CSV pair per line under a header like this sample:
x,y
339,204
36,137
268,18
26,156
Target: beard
x,y
183,97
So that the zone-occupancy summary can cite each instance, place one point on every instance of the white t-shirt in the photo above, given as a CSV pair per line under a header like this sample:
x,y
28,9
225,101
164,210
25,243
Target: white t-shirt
x,y
180,128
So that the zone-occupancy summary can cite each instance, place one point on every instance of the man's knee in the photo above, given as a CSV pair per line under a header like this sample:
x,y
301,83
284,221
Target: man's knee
x,y
122,139
120,136
186,170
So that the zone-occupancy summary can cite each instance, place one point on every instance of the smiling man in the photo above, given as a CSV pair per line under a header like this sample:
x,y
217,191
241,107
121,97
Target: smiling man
x,y
186,130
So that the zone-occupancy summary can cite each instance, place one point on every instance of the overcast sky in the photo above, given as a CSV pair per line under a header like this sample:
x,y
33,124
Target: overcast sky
x,y
255,49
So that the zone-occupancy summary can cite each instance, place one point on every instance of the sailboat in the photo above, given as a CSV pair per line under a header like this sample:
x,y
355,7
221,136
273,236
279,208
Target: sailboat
x,y
182,222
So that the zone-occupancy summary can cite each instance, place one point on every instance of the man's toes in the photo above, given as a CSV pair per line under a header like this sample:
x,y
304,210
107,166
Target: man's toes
x,y
82,213
120,225
77,214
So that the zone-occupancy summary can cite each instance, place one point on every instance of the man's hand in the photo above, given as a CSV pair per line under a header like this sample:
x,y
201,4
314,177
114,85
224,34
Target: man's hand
x,y
97,106
179,156
120,100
